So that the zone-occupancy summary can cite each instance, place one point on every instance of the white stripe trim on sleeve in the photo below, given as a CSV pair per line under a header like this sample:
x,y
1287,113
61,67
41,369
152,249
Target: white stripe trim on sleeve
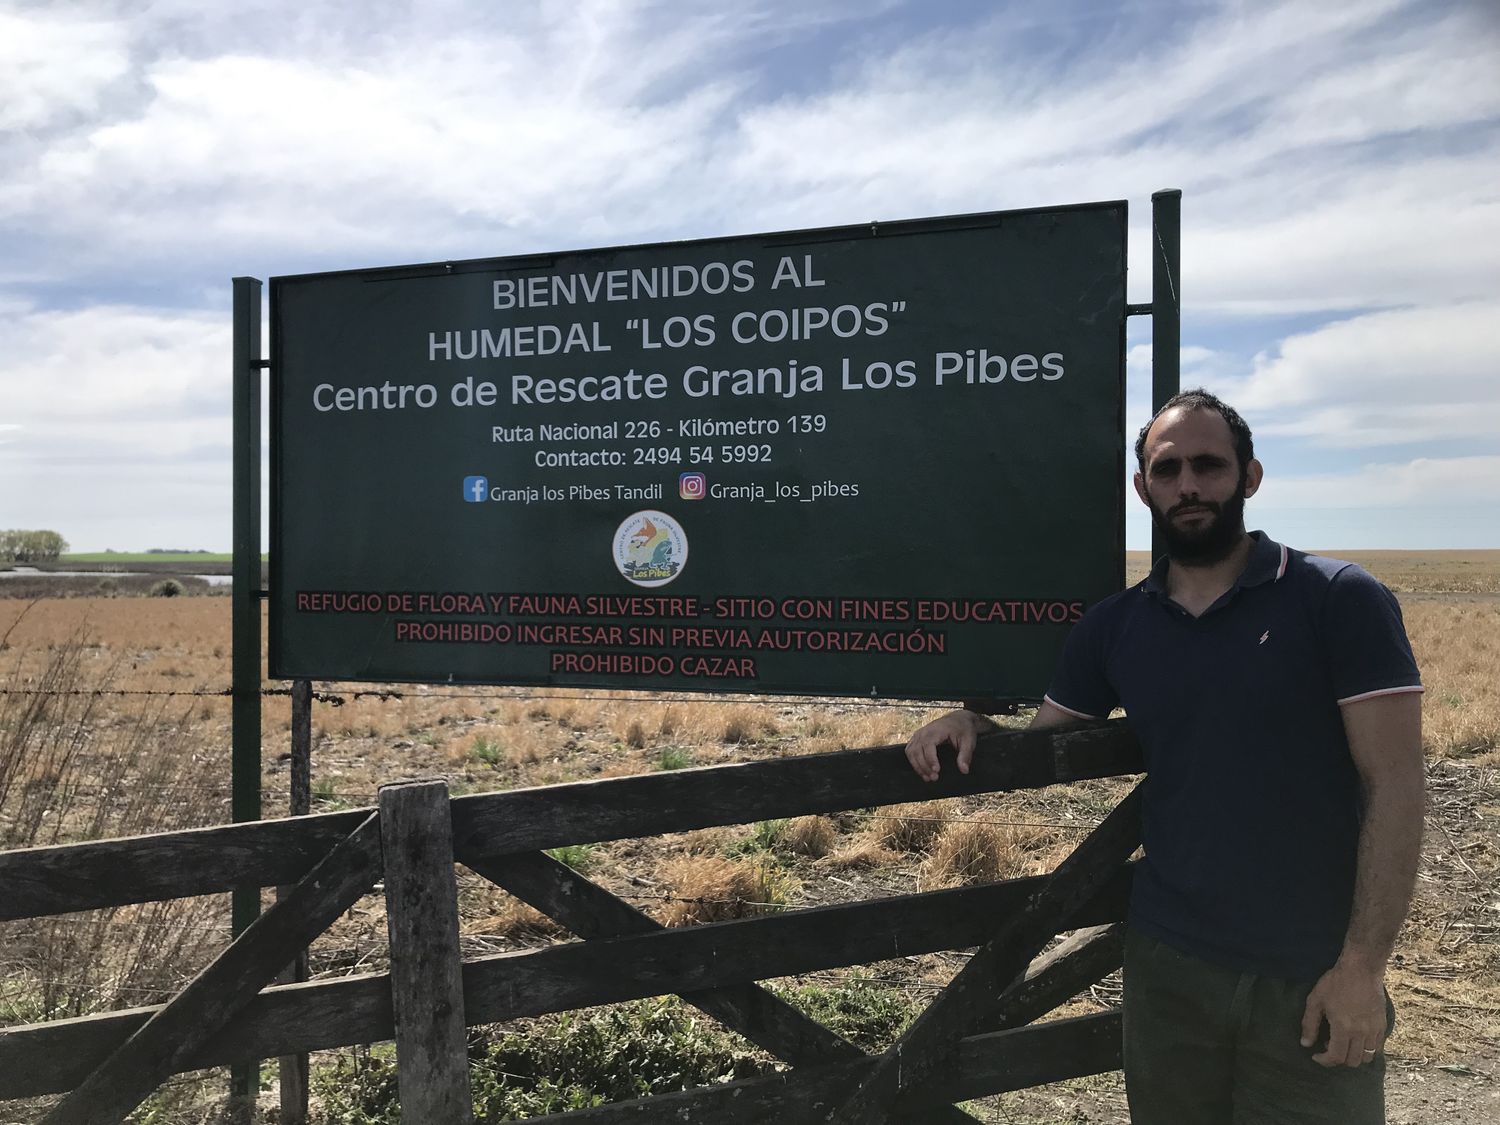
x,y
1070,711
1382,691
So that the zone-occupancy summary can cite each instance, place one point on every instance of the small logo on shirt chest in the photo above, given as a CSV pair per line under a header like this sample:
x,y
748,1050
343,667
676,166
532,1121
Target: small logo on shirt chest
x,y
1264,637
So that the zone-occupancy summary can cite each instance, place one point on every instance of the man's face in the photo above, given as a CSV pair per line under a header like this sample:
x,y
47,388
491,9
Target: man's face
x,y
1195,486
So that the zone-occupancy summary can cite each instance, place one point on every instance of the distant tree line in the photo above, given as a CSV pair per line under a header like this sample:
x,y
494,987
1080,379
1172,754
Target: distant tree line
x,y
31,546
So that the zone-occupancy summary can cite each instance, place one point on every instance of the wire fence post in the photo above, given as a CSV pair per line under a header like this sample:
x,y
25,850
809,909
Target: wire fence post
x,y
293,1069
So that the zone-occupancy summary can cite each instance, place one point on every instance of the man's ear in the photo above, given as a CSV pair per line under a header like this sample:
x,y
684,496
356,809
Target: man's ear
x,y
1140,488
1253,474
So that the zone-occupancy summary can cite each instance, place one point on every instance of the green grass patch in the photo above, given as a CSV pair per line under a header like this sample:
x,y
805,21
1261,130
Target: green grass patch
x,y
764,837
868,1014
576,1060
487,750
673,758
582,858
324,792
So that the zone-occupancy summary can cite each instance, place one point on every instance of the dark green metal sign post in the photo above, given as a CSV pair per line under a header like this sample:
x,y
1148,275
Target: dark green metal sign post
x,y
246,598
1166,307
875,460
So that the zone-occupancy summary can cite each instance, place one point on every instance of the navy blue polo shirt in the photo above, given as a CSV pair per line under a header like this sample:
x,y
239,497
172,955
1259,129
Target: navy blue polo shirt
x,y
1252,809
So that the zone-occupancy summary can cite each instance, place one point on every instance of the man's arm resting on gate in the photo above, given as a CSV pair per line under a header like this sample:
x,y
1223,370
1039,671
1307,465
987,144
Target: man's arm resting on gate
x,y
962,730
1385,740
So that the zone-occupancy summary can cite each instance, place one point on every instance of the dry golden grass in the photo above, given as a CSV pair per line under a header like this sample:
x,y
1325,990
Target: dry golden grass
x,y
707,888
726,724
513,920
813,836
1457,645
911,827
859,854
1458,572
973,851
702,841
1442,572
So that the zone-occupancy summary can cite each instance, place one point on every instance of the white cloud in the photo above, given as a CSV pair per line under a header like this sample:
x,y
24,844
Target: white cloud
x,y
619,121
141,383
1424,481
55,67
1392,377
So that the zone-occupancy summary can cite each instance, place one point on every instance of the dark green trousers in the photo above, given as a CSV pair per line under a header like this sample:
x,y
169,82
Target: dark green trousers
x,y
1205,1045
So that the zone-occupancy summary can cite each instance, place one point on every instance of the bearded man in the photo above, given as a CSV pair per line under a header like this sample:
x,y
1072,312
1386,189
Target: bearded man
x,y
1277,701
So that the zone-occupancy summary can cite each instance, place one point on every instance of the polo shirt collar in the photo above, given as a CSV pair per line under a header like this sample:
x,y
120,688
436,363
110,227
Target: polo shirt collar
x,y
1267,563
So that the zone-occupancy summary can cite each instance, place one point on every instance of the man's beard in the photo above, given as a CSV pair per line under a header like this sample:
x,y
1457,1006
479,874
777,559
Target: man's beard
x,y
1203,546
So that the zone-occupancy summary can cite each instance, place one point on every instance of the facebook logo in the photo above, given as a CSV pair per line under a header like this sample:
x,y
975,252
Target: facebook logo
x,y
476,489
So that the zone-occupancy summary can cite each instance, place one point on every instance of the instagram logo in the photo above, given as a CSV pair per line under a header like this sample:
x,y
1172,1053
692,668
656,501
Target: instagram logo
x,y
692,486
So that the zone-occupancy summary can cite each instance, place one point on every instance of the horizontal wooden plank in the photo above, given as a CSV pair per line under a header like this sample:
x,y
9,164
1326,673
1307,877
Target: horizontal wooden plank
x,y
49,1058
59,880
198,861
46,1058
680,800
986,1064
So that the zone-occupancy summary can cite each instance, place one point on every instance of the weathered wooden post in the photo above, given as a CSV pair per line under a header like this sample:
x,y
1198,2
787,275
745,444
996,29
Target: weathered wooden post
x,y
421,898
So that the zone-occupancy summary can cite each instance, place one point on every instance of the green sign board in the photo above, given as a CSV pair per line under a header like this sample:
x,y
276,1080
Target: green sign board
x,y
880,460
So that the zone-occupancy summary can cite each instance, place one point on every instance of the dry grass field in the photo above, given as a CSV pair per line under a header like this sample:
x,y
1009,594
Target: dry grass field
x,y
110,724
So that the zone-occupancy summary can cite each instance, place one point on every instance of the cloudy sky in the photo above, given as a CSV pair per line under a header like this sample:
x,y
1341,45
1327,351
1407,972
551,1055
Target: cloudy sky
x,y
1340,164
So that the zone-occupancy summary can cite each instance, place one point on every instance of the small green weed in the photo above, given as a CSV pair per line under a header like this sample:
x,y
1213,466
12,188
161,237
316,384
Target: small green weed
x,y
324,792
673,758
487,750
582,858
766,836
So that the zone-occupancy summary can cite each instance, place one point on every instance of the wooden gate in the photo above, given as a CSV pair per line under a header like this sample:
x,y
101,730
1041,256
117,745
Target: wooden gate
x,y
978,1037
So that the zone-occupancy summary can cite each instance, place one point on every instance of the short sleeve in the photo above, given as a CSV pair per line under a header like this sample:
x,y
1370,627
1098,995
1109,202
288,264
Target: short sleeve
x,y
1080,686
1368,650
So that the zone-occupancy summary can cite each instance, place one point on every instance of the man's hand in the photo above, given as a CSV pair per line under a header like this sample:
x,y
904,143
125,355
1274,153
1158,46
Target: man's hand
x,y
958,729
1351,998
962,729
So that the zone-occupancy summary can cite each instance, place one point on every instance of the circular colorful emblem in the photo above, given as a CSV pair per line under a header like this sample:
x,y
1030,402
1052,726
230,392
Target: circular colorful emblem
x,y
650,548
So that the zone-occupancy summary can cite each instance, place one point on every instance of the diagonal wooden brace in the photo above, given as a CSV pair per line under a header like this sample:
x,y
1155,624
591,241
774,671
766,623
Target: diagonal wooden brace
x,y
759,1015
212,998
930,1041
1064,971
987,1063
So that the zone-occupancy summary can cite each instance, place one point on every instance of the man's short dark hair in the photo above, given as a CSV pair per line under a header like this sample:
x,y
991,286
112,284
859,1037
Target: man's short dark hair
x,y
1199,399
